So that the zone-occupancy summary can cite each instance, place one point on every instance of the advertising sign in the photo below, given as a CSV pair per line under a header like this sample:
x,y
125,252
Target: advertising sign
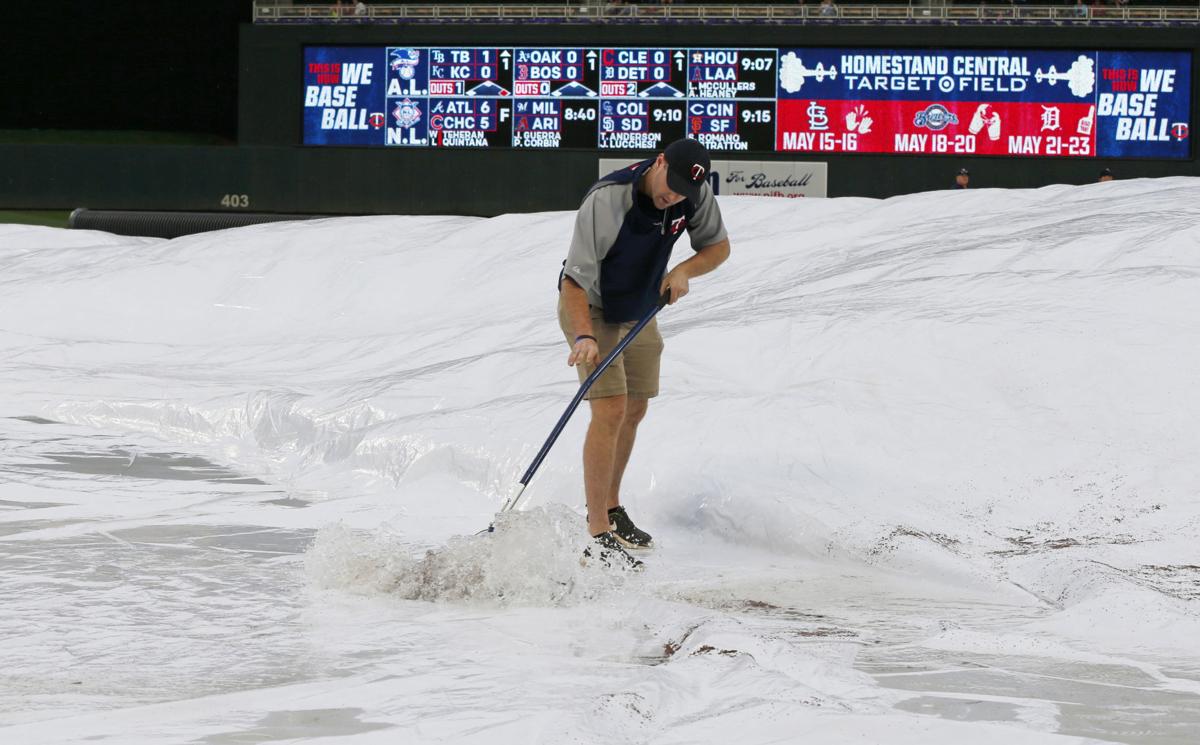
x,y
1029,103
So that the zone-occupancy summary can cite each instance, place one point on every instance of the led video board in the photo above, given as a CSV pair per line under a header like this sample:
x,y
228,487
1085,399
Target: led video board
x,y
1056,103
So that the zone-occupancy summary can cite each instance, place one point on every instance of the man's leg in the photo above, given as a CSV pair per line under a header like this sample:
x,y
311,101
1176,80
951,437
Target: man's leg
x,y
599,458
635,412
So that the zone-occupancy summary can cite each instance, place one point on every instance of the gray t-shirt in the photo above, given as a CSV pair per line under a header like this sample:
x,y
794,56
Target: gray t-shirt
x,y
599,221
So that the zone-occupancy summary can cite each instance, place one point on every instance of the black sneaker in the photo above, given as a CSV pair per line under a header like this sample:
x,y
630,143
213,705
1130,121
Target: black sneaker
x,y
630,535
611,554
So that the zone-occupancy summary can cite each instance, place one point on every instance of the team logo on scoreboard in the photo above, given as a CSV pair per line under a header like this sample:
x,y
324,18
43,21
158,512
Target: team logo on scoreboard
x,y
1179,130
935,117
404,62
406,113
377,120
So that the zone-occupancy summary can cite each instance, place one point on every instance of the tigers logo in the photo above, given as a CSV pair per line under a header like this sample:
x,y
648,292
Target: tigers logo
x,y
697,173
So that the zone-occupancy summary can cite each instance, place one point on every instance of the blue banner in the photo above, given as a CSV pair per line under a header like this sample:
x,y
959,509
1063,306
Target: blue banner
x,y
1003,102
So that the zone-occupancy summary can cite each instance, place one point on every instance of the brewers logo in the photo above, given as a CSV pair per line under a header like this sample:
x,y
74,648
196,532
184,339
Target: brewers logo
x,y
935,117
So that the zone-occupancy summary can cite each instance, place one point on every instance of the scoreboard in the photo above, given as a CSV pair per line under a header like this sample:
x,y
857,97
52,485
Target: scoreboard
x,y
1066,103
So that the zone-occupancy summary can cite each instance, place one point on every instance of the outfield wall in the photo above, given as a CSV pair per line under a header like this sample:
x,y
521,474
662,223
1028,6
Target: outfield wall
x,y
271,171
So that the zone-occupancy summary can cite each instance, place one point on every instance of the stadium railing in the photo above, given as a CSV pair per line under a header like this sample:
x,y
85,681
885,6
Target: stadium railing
x,y
282,12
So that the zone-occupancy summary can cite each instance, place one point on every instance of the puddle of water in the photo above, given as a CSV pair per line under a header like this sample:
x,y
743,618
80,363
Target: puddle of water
x,y
1109,702
20,526
961,710
303,724
8,504
289,502
247,539
33,420
135,465
1116,702
139,601
152,613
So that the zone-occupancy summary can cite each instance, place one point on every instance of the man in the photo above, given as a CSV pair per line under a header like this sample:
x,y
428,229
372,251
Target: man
x,y
963,179
615,272
1105,175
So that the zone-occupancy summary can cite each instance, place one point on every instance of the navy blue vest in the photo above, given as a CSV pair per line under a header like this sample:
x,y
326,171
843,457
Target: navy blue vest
x,y
634,266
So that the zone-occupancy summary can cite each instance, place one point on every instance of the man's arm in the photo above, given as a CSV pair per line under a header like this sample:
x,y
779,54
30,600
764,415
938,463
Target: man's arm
x,y
703,262
596,226
575,301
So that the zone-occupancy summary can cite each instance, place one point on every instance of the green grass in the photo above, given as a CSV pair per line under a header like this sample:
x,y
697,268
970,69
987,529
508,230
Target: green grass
x,y
106,137
51,218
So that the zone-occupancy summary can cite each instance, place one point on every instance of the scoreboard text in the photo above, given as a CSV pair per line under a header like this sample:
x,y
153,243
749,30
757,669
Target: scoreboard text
x,y
1067,103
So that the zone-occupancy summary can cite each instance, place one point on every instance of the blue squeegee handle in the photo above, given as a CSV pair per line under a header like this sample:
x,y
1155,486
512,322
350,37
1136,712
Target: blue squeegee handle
x,y
583,389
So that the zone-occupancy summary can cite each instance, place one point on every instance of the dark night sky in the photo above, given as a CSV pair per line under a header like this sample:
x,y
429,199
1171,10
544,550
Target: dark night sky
x,y
167,65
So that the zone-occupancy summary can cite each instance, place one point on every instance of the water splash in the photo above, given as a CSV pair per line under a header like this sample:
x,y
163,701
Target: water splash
x,y
533,557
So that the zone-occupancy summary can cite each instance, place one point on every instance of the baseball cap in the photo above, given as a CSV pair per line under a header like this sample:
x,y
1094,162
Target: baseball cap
x,y
963,172
1106,172
687,167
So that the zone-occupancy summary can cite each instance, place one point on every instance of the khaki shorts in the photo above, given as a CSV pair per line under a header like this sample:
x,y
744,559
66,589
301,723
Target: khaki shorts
x,y
634,372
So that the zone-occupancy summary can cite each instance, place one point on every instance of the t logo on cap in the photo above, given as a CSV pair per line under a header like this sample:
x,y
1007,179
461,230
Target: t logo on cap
x,y
687,166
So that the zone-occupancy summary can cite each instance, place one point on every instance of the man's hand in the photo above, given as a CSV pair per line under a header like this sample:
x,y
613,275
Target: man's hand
x,y
575,300
676,283
586,351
